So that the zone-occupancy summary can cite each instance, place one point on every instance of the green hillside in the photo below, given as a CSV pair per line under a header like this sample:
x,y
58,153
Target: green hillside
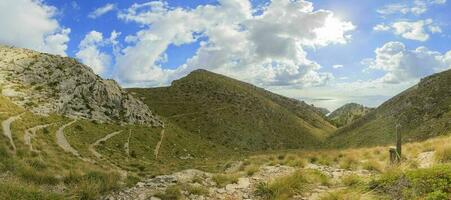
x,y
422,111
347,114
236,114
77,152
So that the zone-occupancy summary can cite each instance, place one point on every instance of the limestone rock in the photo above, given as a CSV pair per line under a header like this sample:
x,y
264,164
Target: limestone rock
x,y
45,84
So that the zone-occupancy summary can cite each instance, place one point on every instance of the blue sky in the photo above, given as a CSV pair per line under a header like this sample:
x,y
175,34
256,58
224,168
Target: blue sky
x,y
325,52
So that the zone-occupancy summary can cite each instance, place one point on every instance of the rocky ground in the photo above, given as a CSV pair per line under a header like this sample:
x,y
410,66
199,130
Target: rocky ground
x,y
243,189
45,84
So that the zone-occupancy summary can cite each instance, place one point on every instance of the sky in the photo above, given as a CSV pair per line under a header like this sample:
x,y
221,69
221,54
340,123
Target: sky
x,y
324,52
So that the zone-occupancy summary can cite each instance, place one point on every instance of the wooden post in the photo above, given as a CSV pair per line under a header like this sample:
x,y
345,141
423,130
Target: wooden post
x,y
398,142
393,155
395,152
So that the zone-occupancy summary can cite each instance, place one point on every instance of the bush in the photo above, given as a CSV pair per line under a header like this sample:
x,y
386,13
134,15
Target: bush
x,y
93,184
251,169
196,190
372,165
171,193
414,184
443,154
13,190
224,179
351,180
283,187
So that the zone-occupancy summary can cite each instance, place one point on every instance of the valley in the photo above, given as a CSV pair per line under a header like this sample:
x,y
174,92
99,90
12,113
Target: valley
x,y
69,134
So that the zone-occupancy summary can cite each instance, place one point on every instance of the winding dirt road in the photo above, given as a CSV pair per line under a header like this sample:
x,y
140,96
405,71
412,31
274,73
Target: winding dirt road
x,y
96,143
157,148
31,133
6,125
64,144
127,144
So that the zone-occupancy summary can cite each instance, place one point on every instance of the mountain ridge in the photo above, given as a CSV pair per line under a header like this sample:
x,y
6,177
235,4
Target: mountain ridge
x,y
45,84
237,113
422,111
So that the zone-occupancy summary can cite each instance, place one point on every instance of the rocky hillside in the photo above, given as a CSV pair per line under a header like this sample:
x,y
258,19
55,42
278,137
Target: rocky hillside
x,y
45,84
236,114
347,114
422,111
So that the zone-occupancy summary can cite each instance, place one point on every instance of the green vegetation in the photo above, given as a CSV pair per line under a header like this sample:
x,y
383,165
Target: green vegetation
x,y
347,114
287,186
430,183
224,179
443,153
423,111
236,114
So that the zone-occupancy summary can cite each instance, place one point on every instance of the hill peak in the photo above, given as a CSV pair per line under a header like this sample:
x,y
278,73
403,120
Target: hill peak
x,y
45,84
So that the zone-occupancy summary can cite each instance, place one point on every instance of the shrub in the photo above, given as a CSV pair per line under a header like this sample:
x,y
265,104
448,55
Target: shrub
x,y
93,184
15,190
224,179
171,193
372,165
414,184
351,180
251,169
196,190
262,190
297,163
348,162
443,154
283,187
340,195
36,176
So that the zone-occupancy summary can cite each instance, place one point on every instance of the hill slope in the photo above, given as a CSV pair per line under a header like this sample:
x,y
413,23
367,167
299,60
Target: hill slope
x,y
237,114
45,84
423,111
347,114
68,134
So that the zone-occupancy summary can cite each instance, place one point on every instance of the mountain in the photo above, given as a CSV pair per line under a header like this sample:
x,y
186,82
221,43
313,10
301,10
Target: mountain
x,y
68,134
422,111
347,113
237,114
45,84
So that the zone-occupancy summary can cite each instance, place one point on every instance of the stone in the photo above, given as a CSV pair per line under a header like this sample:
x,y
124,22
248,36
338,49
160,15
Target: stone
x,y
68,87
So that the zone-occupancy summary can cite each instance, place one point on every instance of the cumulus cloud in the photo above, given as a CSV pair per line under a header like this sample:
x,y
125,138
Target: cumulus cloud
x,y
415,7
413,30
266,49
36,28
102,10
90,50
401,64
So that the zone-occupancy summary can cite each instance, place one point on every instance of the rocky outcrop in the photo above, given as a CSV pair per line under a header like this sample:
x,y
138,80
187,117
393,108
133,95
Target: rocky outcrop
x,y
45,84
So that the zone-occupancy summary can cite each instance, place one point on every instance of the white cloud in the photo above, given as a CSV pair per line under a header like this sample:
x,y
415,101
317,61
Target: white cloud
x,y
102,10
402,65
381,27
416,7
32,24
90,50
337,66
414,30
266,49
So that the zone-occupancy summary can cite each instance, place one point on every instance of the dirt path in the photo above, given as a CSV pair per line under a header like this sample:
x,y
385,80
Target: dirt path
x,y
6,125
96,143
31,133
64,144
127,144
157,148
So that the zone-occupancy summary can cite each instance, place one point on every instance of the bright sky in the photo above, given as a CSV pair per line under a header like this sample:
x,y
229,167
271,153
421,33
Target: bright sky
x,y
326,52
